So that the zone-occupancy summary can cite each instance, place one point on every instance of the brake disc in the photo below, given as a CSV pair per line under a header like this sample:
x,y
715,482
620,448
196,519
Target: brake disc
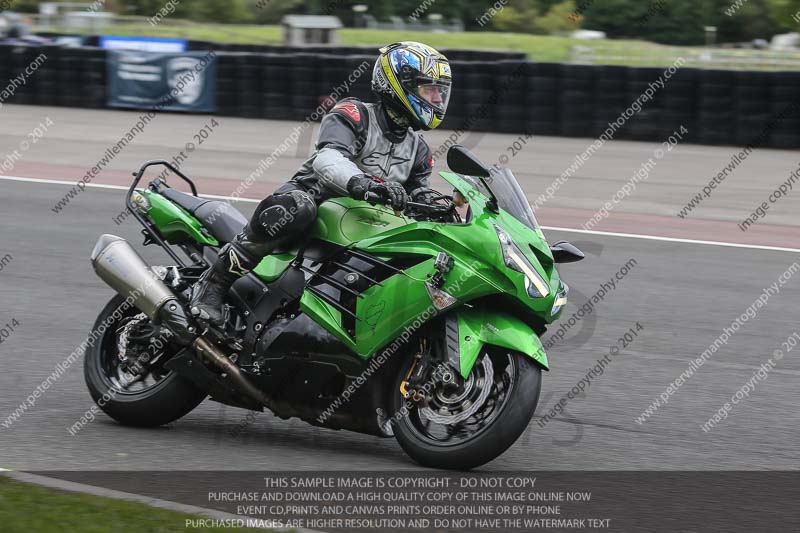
x,y
474,407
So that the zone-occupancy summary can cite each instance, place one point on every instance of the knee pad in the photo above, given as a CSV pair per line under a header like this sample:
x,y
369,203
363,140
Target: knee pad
x,y
285,215
306,209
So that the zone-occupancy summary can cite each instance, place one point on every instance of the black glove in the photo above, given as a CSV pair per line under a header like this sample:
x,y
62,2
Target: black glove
x,y
423,195
390,193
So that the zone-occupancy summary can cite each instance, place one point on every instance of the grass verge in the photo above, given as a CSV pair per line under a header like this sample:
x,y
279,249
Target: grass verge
x,y
26,508
542,48
538,47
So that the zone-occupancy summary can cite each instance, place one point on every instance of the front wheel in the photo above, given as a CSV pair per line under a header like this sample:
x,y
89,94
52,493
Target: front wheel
x,y
468,425
124,370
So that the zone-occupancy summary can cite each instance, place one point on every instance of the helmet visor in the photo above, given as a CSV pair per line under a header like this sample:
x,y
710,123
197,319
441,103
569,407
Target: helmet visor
x,y
434,92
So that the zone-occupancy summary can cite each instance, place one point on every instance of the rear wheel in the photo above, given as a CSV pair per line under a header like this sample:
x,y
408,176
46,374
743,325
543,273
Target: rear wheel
x,y
124,370
467,425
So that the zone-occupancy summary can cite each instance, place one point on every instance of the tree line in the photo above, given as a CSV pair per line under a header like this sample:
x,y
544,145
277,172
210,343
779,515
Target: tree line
x,y
665,21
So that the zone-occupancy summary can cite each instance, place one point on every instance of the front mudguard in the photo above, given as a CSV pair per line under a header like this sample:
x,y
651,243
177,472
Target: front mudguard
x,y
469,330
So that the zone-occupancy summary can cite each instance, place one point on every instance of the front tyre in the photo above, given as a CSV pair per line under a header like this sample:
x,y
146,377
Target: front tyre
x,y
124,374
469,426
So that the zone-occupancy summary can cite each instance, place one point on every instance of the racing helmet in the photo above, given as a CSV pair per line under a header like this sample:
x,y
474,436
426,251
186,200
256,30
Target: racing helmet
x,y
413,79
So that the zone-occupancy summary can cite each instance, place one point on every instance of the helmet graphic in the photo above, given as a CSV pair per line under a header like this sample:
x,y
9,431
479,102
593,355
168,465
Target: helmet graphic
x,y
414,80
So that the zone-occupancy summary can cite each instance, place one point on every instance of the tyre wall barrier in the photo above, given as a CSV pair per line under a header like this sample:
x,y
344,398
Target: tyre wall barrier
x,y
72,77
505,95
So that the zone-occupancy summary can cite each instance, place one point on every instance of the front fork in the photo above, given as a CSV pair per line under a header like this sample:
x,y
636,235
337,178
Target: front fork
x,y
424,375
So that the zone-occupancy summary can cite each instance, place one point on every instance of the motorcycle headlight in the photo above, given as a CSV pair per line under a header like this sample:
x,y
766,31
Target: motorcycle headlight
x,y
516,260
561,299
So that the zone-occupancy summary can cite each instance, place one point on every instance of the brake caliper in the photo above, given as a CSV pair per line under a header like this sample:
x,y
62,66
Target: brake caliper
x,y
410,386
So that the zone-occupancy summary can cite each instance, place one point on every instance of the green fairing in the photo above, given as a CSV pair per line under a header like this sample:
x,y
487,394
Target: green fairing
x,y
272,266
402,303
175,224
477,328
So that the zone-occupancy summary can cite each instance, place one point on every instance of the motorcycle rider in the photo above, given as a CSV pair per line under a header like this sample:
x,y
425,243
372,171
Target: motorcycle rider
x,y
363,149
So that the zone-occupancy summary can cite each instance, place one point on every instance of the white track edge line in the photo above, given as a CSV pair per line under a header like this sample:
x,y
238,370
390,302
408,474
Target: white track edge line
x,y
114,187
674,239
549,228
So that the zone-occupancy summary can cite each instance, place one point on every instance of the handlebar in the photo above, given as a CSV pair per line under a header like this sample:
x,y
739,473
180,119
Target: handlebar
x,y
374,199
428,207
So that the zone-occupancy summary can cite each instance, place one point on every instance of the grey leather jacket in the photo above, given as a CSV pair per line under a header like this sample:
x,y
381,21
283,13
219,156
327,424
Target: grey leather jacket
x,y
357,138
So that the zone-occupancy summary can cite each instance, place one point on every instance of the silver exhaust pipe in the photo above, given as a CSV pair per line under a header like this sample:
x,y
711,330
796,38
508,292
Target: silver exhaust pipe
x,y
117,263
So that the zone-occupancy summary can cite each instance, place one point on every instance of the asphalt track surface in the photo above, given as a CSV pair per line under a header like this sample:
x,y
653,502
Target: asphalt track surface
x,y
682,294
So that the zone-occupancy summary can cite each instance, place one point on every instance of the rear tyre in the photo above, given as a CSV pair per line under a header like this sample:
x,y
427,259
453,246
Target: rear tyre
x,y
452,433
159,398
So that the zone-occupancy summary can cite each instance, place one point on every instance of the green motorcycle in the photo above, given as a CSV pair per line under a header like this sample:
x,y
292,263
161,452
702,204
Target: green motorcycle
x,y
423,325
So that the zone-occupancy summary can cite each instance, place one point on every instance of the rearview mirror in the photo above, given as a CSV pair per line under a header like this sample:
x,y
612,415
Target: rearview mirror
x,y
462,161
564,252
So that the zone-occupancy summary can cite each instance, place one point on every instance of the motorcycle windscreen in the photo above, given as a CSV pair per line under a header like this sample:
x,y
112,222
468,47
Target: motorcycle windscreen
x,y
511,198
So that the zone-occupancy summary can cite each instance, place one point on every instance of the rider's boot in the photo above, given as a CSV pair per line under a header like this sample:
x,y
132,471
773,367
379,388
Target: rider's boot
x,y
279,218
235,260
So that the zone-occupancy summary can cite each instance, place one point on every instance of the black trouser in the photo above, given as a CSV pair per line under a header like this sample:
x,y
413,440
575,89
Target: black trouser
x,y
279,220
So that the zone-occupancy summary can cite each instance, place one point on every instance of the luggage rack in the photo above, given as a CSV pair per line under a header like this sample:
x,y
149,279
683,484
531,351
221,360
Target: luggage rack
x,y
150,232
